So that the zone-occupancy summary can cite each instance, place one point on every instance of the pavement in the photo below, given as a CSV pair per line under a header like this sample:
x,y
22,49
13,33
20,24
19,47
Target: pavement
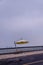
x,y
6,56
28,58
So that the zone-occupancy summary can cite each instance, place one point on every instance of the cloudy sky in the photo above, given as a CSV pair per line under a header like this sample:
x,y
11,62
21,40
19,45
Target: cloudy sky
x,y
21,18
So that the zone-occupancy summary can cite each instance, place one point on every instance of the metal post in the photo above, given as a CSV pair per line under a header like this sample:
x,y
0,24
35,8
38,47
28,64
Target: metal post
x,y
15,46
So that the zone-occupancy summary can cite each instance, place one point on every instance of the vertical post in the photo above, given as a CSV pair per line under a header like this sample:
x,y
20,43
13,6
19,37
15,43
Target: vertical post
x,y
15,46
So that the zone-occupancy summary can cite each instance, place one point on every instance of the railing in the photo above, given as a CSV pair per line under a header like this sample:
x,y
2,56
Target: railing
x,y
20,49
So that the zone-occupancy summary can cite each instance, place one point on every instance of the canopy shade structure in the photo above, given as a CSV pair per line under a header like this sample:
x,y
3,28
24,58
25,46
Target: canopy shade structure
x,y
22,42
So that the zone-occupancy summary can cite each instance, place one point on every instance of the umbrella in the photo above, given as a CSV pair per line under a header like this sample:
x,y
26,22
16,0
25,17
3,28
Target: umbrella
x,y
22,42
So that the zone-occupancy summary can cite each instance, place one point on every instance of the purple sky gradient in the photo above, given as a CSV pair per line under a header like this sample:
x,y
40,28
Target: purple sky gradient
x,y
21,18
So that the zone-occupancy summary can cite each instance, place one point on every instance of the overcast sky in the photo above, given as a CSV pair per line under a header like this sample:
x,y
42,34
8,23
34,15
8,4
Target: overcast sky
x,y
21,18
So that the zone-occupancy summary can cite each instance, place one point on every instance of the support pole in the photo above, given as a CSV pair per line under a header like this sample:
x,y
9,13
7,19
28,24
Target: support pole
x,y
15,46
